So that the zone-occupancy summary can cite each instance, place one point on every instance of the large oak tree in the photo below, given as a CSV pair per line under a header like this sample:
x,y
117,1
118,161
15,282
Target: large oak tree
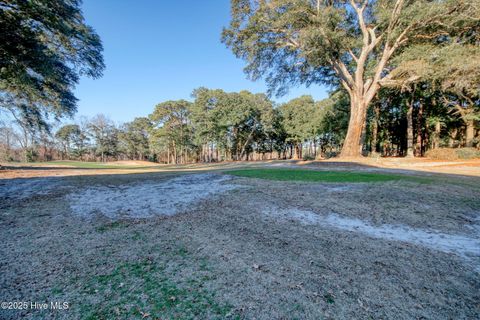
x,y
45,46
340,42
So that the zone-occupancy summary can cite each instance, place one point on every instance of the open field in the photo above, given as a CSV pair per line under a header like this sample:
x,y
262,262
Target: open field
x,y
264,240
98,165
467,168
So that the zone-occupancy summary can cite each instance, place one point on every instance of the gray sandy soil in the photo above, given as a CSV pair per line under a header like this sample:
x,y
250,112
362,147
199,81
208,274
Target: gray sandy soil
x,y
214,246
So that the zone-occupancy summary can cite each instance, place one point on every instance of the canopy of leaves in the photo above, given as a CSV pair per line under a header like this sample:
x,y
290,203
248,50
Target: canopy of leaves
x,y
232,120
171,128
134,137
299,118
73,139
45,46
452,67
68,132
320,41
304,119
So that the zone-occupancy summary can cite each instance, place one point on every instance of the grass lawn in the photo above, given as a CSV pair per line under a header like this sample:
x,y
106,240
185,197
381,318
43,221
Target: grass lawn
x,y
321,176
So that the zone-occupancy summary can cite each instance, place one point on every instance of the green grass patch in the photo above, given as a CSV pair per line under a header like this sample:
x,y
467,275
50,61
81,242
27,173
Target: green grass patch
x,y
141,289
322,176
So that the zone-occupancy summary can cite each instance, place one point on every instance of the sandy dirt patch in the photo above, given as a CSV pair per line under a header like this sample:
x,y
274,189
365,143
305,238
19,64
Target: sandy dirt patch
x,y
466,247
145,200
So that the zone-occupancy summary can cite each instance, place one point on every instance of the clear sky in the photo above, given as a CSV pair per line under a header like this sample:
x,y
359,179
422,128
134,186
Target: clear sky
x,y
157,50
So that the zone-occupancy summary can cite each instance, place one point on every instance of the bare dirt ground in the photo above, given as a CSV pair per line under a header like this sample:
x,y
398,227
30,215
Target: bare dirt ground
x,y
175,244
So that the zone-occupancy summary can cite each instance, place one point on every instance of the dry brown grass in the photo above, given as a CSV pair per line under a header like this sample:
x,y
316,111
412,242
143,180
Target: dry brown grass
x,y
453,154
259,267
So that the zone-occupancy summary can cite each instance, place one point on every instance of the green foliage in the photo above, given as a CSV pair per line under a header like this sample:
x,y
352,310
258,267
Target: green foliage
x,y
447,69
171,129
235,122
45,47
350,44
134,138
308,158
299,119
398,55
31,155
324,122
333,114
221,125
293,41
319,176
73,140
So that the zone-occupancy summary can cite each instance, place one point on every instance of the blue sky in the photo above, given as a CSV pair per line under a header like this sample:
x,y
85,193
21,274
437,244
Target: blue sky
x,y
162,50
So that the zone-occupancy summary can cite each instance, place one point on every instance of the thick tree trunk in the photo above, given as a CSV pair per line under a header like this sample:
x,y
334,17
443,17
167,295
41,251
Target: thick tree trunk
x,y
410,139
452,137
295,152
298,151
469,133
353,144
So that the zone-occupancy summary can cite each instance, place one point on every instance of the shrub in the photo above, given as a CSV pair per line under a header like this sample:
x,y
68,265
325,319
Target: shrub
x,y
453,154
331,154
468,153
308,158
31,155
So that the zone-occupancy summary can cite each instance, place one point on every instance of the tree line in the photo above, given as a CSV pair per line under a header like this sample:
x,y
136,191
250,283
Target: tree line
x,y
215,126
230,126
403,75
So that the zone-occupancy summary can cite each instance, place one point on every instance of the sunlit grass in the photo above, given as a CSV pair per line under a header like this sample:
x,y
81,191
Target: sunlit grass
x,y
322,176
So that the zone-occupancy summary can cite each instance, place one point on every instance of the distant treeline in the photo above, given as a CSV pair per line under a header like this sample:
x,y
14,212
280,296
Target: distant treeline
x,y
222,126
404,77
